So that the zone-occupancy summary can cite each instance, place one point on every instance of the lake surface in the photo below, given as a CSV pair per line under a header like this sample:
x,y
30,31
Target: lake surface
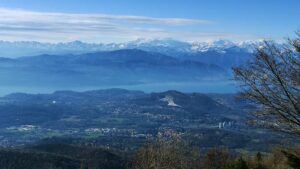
x,y
200,87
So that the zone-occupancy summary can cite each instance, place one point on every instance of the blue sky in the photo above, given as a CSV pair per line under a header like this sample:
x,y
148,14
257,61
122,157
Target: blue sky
x,y
125,20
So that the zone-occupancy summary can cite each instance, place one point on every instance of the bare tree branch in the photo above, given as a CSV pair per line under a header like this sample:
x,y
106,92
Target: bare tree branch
x,y
272,81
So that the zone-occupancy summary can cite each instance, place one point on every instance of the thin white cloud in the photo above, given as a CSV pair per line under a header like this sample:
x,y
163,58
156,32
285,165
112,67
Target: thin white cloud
x,y
16,25
23,15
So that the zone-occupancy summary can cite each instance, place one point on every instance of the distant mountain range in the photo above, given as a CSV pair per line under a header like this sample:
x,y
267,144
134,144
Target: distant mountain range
x,y
165,46
120,67
65,65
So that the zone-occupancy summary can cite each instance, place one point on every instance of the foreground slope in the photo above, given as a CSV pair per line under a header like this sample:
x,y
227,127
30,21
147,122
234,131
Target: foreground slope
x,y
60,156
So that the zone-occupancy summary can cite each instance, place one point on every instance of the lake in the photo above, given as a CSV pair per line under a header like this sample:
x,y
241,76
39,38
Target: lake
x,y
200,87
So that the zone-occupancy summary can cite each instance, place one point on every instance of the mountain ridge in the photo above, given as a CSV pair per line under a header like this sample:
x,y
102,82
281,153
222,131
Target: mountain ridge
x,y
29,48
105,68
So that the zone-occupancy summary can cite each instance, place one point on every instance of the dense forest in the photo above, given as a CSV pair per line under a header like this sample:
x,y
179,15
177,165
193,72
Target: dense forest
x,y
161,154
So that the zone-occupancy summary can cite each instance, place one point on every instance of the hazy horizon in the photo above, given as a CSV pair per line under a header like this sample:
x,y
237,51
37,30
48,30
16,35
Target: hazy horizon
x,y
115,21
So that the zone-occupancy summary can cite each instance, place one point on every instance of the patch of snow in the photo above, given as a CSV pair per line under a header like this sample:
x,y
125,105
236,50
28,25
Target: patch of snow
x,y
170,101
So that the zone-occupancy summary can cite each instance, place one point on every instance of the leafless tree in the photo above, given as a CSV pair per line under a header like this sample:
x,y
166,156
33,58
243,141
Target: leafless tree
x,y
164,155
216,158
272,81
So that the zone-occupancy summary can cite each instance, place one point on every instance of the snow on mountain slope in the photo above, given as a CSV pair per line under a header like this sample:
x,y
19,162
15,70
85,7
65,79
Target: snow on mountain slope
x,y
170,101
166,46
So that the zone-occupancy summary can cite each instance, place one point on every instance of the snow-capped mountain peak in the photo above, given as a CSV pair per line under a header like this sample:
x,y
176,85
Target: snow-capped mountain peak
x,y
218,45
165,46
